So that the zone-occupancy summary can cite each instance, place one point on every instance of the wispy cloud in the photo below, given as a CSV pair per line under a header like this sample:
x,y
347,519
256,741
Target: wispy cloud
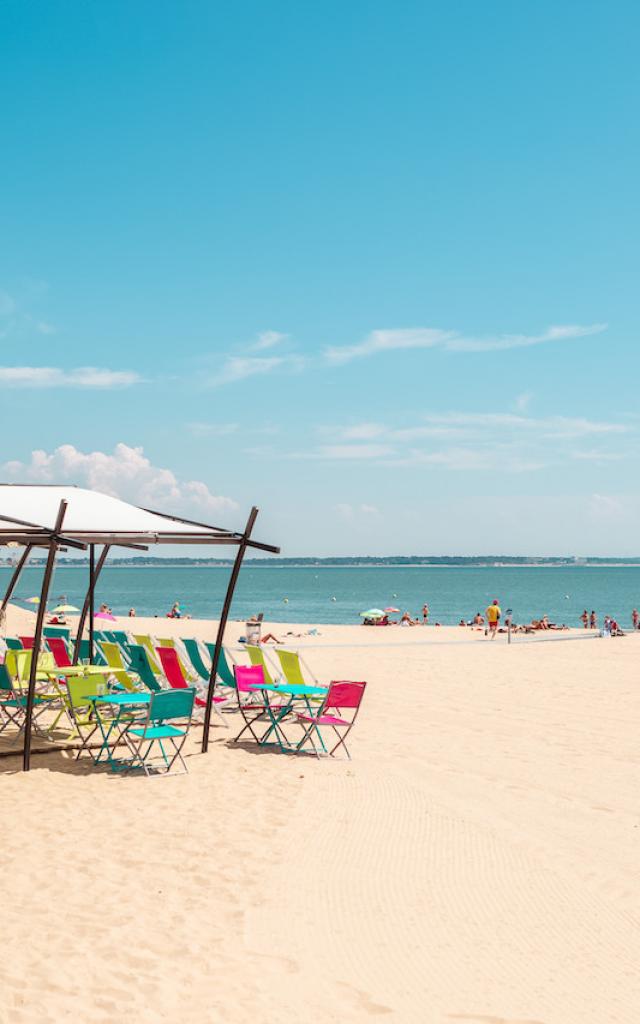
x,y
397,339
462,424
472,441
268,339
353,513
55,377
353,451
212,429
16,319
237,368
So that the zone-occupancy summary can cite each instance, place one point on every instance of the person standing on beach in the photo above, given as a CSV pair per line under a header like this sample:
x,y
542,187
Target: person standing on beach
x,y
425,614
634,618
585,618
493,618
593,622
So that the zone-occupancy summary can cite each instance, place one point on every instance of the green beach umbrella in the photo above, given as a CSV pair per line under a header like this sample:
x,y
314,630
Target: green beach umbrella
x,y
373,613
66,608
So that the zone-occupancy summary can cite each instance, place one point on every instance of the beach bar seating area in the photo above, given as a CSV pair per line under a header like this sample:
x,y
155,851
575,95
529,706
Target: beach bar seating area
x,y
38,691
128,701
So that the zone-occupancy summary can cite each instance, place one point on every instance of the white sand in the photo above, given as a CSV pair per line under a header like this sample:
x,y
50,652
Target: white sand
x,y
476,862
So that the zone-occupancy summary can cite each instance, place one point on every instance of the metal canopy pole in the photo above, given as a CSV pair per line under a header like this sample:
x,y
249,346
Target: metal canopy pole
x,y
222,625
89,606
13,582
37,639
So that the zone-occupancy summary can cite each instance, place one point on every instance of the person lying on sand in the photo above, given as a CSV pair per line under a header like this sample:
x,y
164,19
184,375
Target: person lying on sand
x,y
269,638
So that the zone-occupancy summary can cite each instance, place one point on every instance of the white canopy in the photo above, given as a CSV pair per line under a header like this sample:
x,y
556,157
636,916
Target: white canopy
x,y
28,514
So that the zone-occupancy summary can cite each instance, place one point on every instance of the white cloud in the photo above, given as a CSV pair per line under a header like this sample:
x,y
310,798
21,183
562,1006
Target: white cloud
x,y
357,512
462,424
125,473
44,327
523,401
236,368
7,304
606,509
353,451
54,377
396,339
212,429
268,339
363,432
388,341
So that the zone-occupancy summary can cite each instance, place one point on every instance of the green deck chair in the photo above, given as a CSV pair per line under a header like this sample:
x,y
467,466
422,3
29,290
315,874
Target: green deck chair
x,y
164,709
120,637
61,631
98,657
225,674
13,643
195,657
141,665
145,641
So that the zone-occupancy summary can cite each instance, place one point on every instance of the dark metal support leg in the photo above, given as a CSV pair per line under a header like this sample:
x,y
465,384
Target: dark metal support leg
x,y
222,625
37,639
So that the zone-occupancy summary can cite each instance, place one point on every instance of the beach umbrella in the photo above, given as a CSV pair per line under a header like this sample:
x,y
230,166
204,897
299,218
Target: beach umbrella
x,y
32,600
65,608
105,615
388,610
373,613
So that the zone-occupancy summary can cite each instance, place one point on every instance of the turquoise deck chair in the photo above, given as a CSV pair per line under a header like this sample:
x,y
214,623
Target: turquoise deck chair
x,y
165,709
13,643
193,651
140,664
98,658
61,631
120,637
225,674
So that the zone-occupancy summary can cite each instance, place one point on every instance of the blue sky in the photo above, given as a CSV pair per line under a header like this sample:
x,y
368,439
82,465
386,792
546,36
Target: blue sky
x,y
372,266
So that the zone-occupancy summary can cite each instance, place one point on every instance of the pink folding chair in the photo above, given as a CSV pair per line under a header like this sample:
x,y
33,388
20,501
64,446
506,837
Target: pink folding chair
x,y
251,703
58,648
175,677
341,696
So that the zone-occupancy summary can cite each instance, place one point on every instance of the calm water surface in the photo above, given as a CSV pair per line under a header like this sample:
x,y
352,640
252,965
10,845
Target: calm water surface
x,y
336,595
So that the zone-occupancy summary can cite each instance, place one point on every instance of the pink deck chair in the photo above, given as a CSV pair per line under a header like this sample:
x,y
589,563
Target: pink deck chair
x,y
340,695
175,677
251,702
58,648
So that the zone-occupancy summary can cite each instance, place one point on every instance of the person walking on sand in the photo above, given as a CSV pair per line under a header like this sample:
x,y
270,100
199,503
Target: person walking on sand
x,y
493,614
425,614
585,618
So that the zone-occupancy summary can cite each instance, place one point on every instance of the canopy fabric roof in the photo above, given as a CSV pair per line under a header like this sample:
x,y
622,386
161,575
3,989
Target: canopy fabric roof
x,y
28,514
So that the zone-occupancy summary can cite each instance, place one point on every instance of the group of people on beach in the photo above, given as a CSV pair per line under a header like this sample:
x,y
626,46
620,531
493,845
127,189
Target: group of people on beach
x,y
610,626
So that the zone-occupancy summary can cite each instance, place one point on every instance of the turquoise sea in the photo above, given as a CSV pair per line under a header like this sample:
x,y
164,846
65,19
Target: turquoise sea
x,y
317,594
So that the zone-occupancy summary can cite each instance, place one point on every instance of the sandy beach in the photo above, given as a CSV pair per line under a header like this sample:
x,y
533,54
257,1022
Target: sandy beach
x,y
476,861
